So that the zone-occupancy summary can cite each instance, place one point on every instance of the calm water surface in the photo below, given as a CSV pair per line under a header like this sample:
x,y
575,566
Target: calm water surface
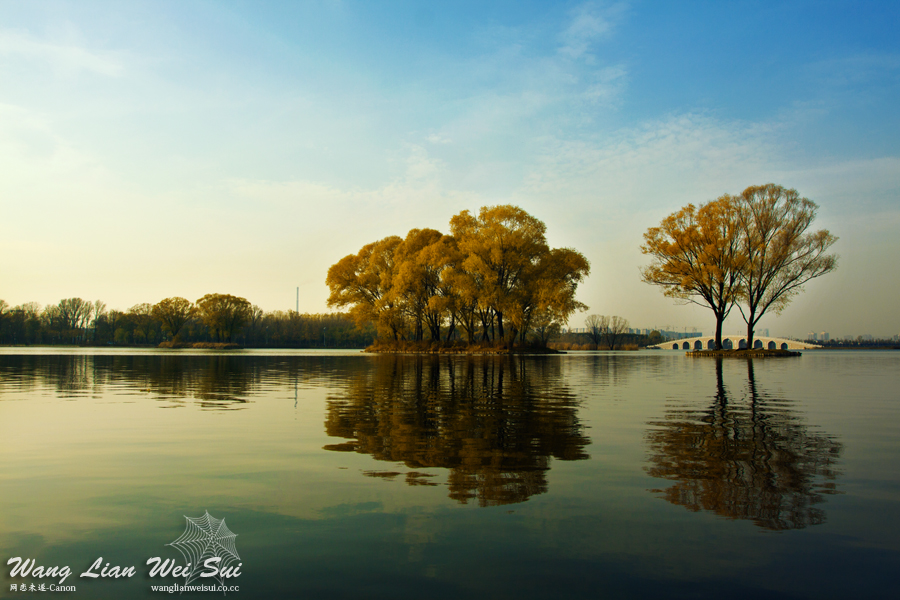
x,y
587,475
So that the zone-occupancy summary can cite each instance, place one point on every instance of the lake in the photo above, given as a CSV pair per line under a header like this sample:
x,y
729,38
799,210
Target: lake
x,y
345,475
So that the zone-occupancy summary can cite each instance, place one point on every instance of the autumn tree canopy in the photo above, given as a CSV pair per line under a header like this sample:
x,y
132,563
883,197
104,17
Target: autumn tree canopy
x,y
223,314
779,254
697,257
173,313
493,279
751,250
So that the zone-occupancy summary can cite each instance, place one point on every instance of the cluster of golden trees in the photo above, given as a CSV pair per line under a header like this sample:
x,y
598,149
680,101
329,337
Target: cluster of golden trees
x,y
753,251
492,279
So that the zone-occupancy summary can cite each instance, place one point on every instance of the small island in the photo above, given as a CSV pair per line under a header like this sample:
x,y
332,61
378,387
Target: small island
x,y
743,353
200,345
492,286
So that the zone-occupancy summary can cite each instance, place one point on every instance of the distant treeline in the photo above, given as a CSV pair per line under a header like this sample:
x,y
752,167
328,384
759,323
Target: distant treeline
x,y
213,318
859,343
584,341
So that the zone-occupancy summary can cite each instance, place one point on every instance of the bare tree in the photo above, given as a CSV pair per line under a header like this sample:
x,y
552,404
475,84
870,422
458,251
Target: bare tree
x,y
605,330
616,327
32,310
98,310
780,255
74,315
113,319
596,325
254,318
4,308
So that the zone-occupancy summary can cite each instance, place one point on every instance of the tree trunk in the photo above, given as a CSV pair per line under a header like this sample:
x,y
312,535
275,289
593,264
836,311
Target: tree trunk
x,y
719,319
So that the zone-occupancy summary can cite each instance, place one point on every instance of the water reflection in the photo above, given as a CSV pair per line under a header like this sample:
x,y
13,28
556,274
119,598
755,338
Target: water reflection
x,y
493,422
215,381
747,458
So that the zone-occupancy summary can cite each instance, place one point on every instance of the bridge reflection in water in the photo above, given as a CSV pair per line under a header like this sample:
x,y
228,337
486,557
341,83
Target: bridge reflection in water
x,y
744,458
494,423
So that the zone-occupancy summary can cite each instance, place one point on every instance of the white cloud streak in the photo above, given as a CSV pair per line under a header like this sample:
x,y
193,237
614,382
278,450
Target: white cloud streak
x,y
62,58
591,22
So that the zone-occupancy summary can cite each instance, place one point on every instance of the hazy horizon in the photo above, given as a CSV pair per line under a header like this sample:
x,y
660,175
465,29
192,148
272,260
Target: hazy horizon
x,y
157,149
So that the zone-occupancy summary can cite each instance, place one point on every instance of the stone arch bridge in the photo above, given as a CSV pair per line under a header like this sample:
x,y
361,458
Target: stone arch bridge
x,y
729,342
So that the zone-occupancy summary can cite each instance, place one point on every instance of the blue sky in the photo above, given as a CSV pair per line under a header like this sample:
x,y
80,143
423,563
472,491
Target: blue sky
x,y
152,149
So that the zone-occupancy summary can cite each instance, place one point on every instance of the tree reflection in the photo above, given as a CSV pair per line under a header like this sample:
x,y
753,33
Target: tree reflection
x,y
493,422
744,459
214,381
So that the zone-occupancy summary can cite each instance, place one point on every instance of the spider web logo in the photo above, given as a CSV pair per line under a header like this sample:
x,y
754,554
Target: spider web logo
x,y
204,538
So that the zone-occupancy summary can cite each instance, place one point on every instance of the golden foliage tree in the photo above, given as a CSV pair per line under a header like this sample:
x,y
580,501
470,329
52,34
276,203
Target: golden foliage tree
x,y
363,281
502,247
441,258
547,296
417,280
697,257
753,249
223,314
780,255
173,313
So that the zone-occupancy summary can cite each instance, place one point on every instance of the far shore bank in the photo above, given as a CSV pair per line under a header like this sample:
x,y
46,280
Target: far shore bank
x,y
406,347
201,345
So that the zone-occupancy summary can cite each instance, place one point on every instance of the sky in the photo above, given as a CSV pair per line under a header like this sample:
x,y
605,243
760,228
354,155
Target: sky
x,y
157,149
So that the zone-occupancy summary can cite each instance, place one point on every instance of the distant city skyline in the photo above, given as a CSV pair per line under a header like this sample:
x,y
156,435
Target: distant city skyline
x,y
157,149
